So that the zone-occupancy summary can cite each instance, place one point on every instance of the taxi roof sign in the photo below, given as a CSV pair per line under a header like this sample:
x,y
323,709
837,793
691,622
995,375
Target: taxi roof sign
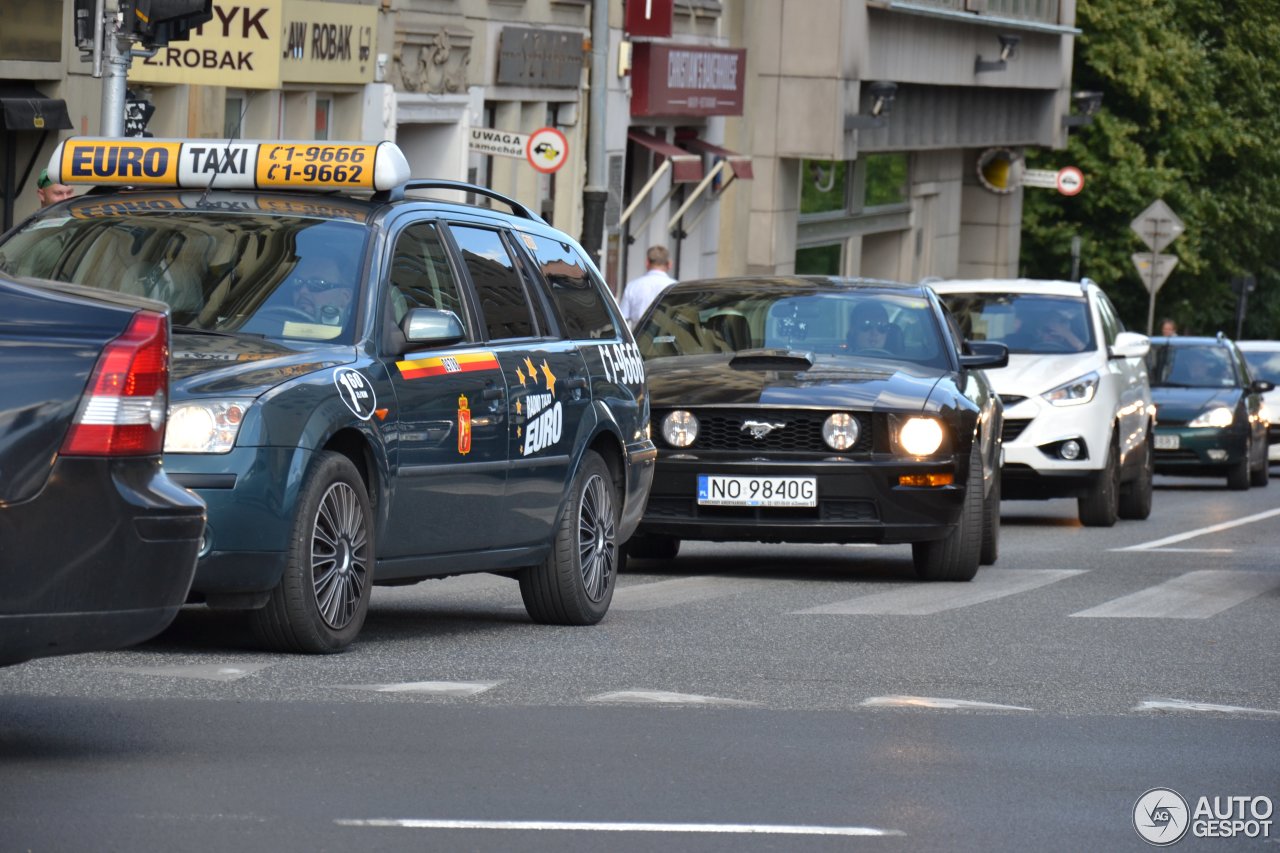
x,y
236,165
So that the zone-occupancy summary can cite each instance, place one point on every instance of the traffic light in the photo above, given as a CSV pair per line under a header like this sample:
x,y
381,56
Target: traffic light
x,y
157,22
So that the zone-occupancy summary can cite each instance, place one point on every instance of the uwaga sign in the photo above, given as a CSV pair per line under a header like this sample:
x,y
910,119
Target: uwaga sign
x,y
258,45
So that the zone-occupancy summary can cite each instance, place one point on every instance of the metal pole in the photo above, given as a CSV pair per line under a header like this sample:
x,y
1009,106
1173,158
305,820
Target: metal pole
x,y
116,59
1151,288
596,193
1075,257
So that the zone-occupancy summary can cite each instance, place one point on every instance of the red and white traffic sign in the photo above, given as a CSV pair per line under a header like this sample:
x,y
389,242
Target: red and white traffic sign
x,y
546,150
1070,180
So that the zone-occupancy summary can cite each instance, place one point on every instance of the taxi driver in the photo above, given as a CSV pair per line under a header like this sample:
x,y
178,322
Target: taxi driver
x,y
320,292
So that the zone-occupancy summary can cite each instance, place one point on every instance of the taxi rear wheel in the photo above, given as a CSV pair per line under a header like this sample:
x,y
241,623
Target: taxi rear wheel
x,y
574,585
319,606
956,557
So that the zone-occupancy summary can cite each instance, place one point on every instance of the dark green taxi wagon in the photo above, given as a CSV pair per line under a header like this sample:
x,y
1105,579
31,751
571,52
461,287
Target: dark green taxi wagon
x,y
368,387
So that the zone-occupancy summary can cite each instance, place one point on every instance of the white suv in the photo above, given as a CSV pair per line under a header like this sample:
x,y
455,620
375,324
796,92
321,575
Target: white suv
x,y
1078,417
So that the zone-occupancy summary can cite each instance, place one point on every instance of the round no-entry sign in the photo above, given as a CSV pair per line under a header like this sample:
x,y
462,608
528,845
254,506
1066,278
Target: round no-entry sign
x,y
1070,180
547,149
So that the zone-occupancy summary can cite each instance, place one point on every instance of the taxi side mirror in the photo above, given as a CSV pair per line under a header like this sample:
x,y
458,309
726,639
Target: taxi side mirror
x,y
432,326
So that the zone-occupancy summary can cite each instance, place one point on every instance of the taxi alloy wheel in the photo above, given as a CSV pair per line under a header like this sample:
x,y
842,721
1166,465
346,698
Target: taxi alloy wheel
x,y
574,585
320,604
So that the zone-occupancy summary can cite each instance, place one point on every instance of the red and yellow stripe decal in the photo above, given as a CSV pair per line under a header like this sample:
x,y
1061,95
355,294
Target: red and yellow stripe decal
x,y
463,362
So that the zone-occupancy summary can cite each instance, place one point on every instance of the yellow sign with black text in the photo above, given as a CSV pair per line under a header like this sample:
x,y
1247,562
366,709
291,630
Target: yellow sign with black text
x,y
328,42
239,48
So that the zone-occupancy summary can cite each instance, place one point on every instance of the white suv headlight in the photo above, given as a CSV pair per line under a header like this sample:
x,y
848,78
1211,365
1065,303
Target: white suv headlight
x,y
1218,416
204,426
1077,392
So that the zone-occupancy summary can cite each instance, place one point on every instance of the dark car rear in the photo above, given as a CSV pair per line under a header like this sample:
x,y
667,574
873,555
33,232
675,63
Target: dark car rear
x,y
97,544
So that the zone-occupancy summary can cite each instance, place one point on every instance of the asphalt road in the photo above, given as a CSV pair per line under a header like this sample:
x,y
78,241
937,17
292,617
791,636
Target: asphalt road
x,y
741,697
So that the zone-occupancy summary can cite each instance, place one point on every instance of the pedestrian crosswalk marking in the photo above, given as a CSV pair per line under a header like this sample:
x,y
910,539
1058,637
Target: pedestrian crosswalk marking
x,y
653,596
1195,595
925,599
1191,534
434,688
203,671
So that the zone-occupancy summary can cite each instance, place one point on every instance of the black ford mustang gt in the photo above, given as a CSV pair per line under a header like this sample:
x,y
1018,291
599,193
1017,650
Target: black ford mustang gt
x,y
817,409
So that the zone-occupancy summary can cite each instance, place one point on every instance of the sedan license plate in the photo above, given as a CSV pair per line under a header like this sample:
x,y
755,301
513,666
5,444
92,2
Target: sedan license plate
x,y
757,491
1166,442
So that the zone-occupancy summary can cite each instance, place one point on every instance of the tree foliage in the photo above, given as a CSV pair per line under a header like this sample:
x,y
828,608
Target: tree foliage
x,y
1191,115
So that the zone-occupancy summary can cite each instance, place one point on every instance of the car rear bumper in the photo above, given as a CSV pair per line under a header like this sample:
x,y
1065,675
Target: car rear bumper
x,y
856,502
102,558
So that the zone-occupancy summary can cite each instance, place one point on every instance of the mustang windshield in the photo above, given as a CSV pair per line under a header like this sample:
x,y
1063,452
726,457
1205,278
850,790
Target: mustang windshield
x,y
867,323
271,275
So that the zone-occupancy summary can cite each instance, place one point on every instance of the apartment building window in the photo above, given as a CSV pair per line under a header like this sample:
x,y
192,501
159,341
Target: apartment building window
x,y
846,201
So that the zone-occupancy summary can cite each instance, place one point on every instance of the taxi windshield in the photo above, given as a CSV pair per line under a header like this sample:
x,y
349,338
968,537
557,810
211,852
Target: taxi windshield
x,y
278,276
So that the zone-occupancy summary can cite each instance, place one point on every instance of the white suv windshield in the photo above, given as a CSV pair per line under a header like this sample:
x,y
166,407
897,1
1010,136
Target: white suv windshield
x,y
1025,323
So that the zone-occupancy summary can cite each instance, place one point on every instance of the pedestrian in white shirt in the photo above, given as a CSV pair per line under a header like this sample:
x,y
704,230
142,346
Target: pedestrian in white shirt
x,y
641,292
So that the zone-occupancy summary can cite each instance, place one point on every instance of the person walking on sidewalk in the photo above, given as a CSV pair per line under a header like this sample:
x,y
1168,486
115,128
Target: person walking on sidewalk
x,y
641,292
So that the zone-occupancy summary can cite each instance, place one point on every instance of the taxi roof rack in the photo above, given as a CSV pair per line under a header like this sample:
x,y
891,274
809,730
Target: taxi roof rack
x,y
398,193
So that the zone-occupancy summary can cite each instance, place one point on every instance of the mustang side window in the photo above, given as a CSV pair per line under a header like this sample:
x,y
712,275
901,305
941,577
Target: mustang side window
x,y
504,302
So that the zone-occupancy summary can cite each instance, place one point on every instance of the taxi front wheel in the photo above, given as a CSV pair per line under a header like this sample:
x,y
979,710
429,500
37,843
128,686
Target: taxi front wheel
x,y
320,604
574,585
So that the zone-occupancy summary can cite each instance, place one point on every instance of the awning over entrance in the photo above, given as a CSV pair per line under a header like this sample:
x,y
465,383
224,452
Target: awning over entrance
x,y
736,165
23,107
740,163
685,167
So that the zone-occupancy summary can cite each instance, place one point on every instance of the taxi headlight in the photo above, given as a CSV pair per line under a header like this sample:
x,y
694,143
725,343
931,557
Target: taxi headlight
x,y
920,436
680,428
840,431
204,426
1077,392
1218,416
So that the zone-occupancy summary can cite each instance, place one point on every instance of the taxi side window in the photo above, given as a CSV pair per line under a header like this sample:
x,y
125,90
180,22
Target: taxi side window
x,y
504,301
420,273
574,290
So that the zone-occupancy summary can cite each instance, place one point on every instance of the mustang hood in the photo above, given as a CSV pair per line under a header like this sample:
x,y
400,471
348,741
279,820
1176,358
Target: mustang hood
x,y
241,365
1029,375
795,380
1179,405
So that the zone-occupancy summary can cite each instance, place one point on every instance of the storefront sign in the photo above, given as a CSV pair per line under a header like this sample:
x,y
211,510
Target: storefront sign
x,y
327,42
528,57
502,143
239,48
651,18
687,80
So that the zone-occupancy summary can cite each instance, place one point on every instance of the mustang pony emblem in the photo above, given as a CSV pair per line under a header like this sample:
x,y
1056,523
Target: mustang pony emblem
x,y
759,429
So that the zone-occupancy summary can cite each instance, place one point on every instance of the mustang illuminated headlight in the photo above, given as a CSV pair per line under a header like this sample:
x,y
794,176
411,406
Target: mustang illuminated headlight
x,y
204,426
920,436
680,428
1218,416
840,431
1077,392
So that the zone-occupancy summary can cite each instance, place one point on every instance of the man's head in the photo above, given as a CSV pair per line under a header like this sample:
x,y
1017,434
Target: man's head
x,y
658,258
50,193
870,326
317,287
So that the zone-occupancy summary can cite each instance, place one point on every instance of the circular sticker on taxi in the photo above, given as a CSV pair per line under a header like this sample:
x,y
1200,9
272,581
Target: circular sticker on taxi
x,y
356,392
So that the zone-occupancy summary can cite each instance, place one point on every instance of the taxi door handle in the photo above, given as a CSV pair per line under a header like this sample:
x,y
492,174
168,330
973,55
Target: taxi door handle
x,y
574,383
492,393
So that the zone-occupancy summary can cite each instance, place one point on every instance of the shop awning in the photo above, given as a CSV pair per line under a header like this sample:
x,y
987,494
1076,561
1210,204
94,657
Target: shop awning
x,y
23,107
685,167
740,163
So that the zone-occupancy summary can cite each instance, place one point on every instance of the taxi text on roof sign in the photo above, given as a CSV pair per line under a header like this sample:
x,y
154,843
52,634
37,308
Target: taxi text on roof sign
x,y
198,163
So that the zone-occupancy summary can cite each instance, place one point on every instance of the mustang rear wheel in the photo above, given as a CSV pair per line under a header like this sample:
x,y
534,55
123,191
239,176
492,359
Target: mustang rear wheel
x,y
991,524
956,557
574,585
320,604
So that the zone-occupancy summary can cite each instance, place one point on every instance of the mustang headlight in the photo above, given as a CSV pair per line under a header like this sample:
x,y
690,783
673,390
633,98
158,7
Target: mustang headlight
x,y
680,428
1077,392
840,431
920,436
1218,416
204,426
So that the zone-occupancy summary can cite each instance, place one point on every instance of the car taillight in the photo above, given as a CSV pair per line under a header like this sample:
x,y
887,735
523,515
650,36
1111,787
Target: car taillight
x,y
123,410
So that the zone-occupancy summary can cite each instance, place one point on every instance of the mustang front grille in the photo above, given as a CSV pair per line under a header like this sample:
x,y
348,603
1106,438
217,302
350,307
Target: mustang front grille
x,y
773,431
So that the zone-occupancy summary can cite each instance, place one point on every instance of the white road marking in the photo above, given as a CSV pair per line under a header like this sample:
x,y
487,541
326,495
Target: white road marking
x,y
1202,531
666,698
1184,550
1183,705
939,703
592,826
439,688
206,671
927,598
652,596
1195,595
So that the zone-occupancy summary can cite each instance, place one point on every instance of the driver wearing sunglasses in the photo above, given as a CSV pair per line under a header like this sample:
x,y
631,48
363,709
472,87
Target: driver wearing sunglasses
x,y
870,328
321,293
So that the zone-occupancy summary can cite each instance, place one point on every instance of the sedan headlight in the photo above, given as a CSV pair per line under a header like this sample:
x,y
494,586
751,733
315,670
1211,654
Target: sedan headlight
x,y
204,426
680,428
840,431
1218,416
920,436
1077,392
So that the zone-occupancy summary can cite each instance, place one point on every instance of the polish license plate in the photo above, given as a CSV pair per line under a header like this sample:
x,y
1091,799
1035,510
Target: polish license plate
x,y
757,491
1166,442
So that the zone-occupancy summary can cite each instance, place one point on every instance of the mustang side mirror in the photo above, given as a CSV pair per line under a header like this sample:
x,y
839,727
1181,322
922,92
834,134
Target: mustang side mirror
x,y
984,354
